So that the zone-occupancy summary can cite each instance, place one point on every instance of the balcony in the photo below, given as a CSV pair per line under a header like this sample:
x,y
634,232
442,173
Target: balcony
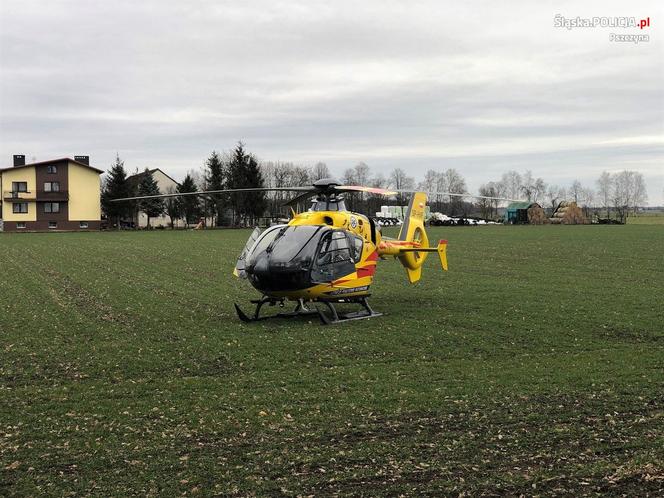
x,y
59,196
10,195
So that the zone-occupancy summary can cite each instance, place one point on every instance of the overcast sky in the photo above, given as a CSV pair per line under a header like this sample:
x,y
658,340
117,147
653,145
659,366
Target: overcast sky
x,y
417,84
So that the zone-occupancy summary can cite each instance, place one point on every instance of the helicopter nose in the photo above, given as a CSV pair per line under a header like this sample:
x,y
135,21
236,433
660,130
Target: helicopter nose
x,y
267,276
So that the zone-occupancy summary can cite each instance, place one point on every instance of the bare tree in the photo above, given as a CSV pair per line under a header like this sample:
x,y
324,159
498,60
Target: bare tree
x,y
487,205
319,171
430,181
555,194
640,192
586,200
456,184
172,206
527,185
348,178
362,173
629,192
539,190
621,197
442,185
399,180
511,184
533,188
604,188
575,190
299,176
375,201
361,176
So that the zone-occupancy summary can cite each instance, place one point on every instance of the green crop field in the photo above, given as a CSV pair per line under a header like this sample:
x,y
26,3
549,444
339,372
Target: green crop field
x,y
656,218
534,366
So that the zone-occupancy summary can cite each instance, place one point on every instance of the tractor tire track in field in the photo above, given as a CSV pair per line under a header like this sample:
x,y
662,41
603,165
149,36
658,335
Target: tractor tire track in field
x,y
519,446
69,295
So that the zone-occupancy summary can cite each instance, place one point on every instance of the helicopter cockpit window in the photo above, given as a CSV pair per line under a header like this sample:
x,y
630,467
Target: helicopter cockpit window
x,y
328,204
289,246
336,257
267,238
356,247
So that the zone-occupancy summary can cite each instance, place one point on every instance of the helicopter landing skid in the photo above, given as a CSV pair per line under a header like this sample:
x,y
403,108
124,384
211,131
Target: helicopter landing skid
x,y
301,309
337,317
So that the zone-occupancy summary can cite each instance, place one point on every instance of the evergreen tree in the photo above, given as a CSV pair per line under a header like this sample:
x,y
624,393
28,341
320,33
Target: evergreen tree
x,y
116,187
236,178
255,203
189,204
215,180
148,186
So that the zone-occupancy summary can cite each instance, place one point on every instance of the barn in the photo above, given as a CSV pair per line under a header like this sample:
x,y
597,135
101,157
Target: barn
x,y
523,213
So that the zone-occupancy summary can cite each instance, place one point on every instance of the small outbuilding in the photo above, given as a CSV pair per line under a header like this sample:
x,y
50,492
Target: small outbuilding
x,y
523,213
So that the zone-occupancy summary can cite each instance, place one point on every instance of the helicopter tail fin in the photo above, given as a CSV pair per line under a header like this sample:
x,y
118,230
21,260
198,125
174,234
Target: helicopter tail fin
x,y
415,241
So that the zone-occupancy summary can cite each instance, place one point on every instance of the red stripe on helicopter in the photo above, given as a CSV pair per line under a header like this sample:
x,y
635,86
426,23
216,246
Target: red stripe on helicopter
x,y
373,256
367,271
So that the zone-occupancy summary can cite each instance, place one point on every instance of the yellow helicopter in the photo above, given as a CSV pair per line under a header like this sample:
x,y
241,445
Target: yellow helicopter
x,y
327,255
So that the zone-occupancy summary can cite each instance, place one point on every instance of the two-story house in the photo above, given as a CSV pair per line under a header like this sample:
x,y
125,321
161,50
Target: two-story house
x,y
61,194
166,185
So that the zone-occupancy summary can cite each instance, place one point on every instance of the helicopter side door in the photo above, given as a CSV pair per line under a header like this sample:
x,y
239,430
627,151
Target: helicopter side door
x,y
335,258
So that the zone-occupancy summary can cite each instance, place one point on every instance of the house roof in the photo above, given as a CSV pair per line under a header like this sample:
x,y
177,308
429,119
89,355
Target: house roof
x,y
151,171
521,205
52,161
135,179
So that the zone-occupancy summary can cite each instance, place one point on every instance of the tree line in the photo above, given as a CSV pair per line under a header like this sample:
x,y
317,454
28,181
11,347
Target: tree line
x,y
617,193
235,170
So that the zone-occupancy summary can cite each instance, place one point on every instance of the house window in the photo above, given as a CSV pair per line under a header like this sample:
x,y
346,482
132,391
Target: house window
x,y
52,187
51,207
20,224
19,186
52,169
52,224
20,207
83,224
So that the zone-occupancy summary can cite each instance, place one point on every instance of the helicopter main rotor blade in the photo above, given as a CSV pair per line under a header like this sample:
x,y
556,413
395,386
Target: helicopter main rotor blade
x,y
390,192
360,188
454,194
301,197
210,192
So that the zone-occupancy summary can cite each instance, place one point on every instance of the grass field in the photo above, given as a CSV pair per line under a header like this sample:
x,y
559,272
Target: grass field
x,y
646,219
534,366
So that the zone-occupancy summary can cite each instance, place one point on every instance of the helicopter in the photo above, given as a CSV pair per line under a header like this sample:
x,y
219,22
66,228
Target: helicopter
x,y
327,255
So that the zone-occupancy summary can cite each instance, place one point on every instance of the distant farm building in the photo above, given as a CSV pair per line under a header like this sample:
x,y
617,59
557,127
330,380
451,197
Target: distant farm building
x,y
398,212
166,185
568,213
524,213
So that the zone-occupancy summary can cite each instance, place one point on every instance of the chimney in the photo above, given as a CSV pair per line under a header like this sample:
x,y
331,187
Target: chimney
x,y
19,160
82,159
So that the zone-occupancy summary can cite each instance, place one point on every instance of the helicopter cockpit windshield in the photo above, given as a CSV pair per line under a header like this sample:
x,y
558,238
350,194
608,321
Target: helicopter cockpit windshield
x,y
283,256
294,257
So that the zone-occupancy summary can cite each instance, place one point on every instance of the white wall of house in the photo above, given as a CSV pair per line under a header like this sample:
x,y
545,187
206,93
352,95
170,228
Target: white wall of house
x,y
165,183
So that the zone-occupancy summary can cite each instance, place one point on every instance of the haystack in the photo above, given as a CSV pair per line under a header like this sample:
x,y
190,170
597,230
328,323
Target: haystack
x,y
568,213
536,215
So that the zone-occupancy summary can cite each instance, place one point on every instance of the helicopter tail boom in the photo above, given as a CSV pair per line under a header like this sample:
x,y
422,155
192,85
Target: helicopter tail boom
x,y
412,246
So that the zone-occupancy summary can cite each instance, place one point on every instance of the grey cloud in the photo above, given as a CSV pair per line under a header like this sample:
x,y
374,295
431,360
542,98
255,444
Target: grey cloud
x,y
428,84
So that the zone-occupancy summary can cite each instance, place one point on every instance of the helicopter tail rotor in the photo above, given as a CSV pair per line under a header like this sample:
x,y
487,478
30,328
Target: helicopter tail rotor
x,y
412,246
413,233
